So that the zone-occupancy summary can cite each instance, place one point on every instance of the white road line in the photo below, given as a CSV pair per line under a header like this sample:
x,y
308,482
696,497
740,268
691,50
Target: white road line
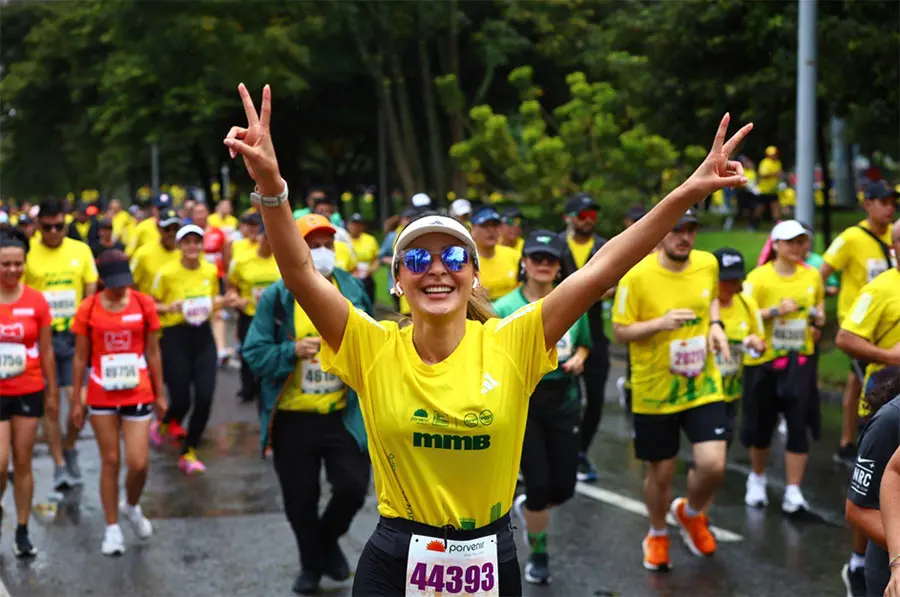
x,y
3,591
636,507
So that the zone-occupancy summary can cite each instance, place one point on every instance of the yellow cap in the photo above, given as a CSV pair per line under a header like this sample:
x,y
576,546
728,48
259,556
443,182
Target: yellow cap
x,y
771,151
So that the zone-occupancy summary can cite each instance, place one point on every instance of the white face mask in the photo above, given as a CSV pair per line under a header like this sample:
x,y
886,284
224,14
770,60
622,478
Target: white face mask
x,y
323,259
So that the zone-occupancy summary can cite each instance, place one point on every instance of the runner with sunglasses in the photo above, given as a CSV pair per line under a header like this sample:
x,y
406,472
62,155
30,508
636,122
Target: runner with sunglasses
x,y
26,360
511,229
117,341
551,445
499,264
150,258
446,480
63,269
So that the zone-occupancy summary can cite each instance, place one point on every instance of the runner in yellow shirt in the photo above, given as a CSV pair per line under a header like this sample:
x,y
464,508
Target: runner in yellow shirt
x,y
791,298
123,222
860,253
63,270
445,398
499,264
511,230
366,248
744,328
223,219
147,231
250,274
149,259
769,173
249,231
667,310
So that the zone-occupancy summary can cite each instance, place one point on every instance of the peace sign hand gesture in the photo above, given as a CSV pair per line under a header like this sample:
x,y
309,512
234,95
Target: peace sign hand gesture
x,y
717,171
254,143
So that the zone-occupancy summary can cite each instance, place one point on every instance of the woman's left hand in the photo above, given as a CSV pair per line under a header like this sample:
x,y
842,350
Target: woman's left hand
x,y
717,171
575,365
160,407
718,341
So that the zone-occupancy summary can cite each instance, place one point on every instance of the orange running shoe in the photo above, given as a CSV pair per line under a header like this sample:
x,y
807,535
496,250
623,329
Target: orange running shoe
x,y
656,552
694,529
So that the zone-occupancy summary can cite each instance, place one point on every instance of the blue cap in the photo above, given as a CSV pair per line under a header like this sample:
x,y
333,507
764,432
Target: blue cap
x,y
162,200
485,215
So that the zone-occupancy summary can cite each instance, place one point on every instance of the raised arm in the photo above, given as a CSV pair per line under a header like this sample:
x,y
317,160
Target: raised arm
x,y
327,308
586,286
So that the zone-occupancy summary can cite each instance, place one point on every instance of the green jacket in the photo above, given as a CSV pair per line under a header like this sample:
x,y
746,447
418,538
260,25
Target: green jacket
x,y
269,351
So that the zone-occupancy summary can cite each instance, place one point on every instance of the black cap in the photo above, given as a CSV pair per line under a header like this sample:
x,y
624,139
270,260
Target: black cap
x,y
877,190
410,212
357,217
731,264
24,220
115,273
578,203
168,218
251,217
105,223
543,241
689,217
636,212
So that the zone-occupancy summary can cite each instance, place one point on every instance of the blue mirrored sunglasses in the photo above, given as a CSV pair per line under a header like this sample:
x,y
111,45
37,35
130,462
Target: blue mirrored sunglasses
x,y
418,260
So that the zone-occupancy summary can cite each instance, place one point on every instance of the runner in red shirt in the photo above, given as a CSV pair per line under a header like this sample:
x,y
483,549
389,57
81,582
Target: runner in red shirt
x,y
217,250
116,336
26,358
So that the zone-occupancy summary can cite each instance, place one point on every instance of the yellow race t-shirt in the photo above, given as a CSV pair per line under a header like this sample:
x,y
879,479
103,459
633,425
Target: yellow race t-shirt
x,y
197,288
145,233
875,316
520,244
228,224
788,333
244,245
61,274
859,258
741,319
344,257
498,274
769,174
309,388
83,228
366,249
123,223
252,274
580,251
445,439
671,371
146,263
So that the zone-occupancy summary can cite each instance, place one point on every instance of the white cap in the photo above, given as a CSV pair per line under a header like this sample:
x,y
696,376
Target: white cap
x,y
433,224
460,207
4,217
788,229
189,229
421,200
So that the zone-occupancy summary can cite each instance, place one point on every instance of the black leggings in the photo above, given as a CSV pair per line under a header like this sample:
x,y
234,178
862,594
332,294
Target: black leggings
x,y
596,370
249,382
381,570
189,360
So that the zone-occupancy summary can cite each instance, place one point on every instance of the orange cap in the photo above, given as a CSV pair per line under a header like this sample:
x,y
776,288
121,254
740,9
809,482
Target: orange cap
x,y
312,222
91,210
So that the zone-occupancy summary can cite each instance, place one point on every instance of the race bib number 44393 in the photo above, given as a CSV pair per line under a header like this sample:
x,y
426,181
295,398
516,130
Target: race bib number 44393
x,y
452,568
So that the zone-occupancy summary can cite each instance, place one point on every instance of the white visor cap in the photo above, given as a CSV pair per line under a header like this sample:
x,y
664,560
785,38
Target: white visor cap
x,y
788,230
460,207
189,229
433,224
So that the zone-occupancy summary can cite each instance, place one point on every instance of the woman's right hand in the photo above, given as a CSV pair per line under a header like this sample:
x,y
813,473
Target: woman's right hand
x,y
893,587
254,143
77,412
787,306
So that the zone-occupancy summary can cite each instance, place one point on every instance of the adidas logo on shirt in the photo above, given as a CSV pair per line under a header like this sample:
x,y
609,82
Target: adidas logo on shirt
x,y
488,384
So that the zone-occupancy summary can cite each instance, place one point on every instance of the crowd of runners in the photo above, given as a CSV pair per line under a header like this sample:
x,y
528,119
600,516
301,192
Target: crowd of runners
x,y
496,351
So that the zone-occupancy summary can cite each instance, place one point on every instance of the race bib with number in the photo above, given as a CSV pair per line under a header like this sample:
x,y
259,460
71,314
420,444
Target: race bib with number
x,y
874,268
452,568
12,360
789,334
316,381
120,371
564,348
196,310
62,303
731,367
687,357
362,270
256,293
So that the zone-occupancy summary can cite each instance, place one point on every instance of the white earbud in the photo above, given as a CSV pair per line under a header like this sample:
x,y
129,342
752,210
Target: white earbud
x,y
398,290
475,283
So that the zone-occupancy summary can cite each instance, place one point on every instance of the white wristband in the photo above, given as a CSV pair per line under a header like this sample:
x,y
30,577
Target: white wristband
x,y
270,200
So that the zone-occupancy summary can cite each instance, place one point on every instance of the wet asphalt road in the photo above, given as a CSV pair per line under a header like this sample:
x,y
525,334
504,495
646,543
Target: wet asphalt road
x,y
225,534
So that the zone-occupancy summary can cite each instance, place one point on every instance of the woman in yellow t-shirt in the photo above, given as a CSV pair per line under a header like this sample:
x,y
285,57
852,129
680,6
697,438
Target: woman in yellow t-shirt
x,y
782,381
187,295
445,399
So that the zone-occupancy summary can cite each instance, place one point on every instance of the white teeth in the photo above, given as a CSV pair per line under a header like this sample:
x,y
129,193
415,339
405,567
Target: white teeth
x,y
437,289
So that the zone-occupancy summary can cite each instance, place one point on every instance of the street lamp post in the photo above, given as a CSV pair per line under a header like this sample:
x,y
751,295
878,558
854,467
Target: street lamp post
x,y
806,111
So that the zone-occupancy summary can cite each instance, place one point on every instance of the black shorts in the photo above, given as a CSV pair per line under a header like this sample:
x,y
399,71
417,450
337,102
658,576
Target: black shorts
x,y
766,198
731,413
550,448
768,393
382,566
29,405
135,412
656,437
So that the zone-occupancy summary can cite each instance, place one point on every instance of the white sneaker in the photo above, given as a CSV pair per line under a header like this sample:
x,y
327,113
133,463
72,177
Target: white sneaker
x,y
519,511
756,492
620,385
113,542
793,501
142,526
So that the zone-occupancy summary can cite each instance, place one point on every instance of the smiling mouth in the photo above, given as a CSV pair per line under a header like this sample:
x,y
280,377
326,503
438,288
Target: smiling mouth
x,y
437,290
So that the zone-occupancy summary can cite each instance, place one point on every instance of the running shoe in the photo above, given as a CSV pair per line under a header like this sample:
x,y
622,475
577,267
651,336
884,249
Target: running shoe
x,y
61,480
142,526
176,431
656,553
190,464
586,471
519,512
23,548
694,529
113,541
755,496
854,581
537,570
307,583
794,503
846,455
72,467
336,564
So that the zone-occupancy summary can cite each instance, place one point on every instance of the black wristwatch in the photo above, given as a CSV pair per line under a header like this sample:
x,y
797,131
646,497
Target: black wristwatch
x,y
718,322
773,312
